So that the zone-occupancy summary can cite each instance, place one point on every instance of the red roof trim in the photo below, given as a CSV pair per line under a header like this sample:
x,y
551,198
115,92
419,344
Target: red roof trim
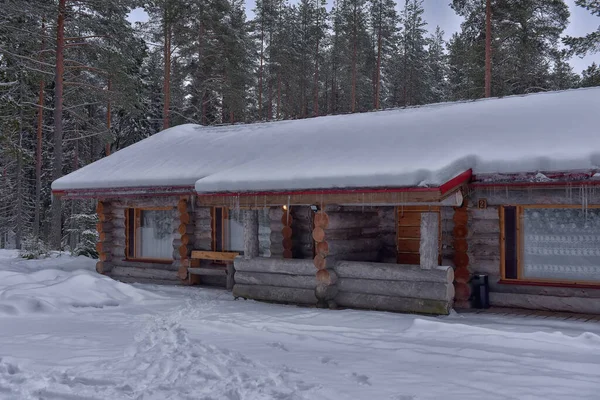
x,y
457,180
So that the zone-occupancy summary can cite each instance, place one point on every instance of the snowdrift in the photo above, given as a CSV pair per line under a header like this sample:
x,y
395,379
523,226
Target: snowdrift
x,y
51,290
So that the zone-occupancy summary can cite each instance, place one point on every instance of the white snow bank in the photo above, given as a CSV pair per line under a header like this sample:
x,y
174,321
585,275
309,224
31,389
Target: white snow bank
x,y
417,146
31,287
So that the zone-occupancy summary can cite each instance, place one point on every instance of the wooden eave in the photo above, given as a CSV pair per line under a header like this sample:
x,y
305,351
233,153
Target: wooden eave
x,y
526,181
382,196
124,192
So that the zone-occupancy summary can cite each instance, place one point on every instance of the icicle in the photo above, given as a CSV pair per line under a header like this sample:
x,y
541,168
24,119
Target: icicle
x,y
288,205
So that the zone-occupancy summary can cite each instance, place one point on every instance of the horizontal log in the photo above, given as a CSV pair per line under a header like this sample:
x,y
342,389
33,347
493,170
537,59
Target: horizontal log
x,y
585,293
184,229
412,289
146,273
326,277
486,239
103,267
203,222
183,206
165,282
341,247
488,266
478,226
275,294
484,213
394,272
485,251
142,202
202,213
208,271
202,235
279,280
275,213
275,265
105,256
184,218
214,255
326,292
343,220
391,303
549,303
105,236
104,227
122,262
276,226
388,240
202,244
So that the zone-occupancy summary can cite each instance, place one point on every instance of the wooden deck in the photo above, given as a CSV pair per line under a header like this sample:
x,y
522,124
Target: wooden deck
x,y
516,312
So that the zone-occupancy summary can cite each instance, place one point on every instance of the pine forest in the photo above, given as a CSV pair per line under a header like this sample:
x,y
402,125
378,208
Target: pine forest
x,y
79,81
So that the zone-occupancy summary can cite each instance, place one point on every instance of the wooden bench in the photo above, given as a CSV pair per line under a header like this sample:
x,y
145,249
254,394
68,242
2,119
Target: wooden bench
x,y
226,270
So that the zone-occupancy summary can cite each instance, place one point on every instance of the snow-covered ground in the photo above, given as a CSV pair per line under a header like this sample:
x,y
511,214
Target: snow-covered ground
x,y
68,333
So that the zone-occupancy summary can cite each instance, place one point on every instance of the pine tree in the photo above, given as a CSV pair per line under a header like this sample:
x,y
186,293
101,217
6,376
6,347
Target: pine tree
x,y
437,68
589,43
591,76
384,21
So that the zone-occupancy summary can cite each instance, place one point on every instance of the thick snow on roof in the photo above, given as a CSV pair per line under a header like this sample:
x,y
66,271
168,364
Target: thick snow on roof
x,y
408,147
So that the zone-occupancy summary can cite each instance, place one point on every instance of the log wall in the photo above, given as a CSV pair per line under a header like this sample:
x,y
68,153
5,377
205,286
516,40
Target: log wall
x,y
377,286
394,287
484,251
275,279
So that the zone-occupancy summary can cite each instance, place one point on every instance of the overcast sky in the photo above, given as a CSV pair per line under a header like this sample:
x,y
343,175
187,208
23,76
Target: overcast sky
x,y
438,12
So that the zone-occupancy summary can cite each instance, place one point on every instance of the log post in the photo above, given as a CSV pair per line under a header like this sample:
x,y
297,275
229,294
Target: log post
x,y
461,258
104,227
184,224
251,247
326,288
430,236
286,231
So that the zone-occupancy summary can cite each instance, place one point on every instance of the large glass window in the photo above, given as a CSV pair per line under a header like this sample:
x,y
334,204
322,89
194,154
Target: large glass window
x,y
552,244
150,234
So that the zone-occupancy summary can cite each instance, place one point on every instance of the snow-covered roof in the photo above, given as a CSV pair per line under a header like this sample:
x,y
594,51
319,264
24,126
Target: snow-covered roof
x,y
421,146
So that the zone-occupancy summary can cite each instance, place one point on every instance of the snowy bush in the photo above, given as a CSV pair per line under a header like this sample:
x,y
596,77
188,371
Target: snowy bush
x,y
83,235
87,244
33,248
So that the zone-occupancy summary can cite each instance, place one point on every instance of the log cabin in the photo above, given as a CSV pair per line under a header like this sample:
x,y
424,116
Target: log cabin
x,y
392,210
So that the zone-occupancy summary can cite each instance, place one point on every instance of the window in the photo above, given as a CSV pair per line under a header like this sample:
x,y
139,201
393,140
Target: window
x,y
551,244
227,230
149,234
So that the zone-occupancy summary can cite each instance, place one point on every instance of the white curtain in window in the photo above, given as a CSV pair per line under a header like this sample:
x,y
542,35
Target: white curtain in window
x,y
561,244
155,235
236,231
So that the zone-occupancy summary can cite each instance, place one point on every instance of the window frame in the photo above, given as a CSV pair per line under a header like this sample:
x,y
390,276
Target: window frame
x,y
129,252
520,248
225,245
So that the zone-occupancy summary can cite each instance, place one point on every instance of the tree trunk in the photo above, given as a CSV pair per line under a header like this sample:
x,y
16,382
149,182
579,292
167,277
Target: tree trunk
x,y
260,70
316,80
38,148
378,71
354,51
488,48
58,125
167,72
108,112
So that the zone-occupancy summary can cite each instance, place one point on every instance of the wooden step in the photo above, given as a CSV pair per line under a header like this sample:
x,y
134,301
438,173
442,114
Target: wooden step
x,y
215,271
